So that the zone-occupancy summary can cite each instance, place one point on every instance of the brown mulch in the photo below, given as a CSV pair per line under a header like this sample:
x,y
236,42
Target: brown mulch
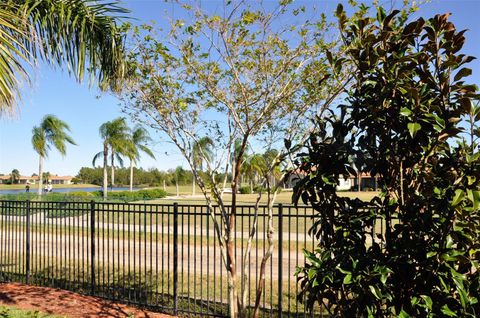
x,y
62,302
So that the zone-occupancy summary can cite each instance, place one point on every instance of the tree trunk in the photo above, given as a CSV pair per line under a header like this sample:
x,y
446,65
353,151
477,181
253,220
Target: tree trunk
x,y
176,185
105,171
164,185
231,266
193,185
40,175
359,181
131,176
251,186
113,169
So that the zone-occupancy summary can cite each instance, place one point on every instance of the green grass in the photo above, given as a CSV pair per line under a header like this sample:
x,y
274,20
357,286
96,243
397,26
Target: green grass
x,y
284,197
12,312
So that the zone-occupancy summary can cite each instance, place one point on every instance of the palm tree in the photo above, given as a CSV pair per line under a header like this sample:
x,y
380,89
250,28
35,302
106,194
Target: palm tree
x,y
82,35
139,141
252,167
15,176
201,151
51,132
115,135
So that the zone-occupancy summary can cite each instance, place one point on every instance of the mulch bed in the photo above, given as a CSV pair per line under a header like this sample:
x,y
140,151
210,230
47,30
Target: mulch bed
x,y
62,302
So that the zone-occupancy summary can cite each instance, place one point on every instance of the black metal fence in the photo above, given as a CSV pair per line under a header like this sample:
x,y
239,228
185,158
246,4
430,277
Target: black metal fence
x,y
165,257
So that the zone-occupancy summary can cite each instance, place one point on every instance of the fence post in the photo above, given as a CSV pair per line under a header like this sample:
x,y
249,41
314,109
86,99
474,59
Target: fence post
x,y
92,246
175,258
280,259
27,247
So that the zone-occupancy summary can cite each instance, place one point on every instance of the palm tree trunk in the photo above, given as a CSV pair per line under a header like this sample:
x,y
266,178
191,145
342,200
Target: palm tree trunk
x,y
105,171
40,175
113,169
131,176
176,185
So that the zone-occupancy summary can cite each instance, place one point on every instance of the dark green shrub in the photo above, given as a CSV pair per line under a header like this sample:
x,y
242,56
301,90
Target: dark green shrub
x,y
258,188
145,194
245,190
81,194
402,122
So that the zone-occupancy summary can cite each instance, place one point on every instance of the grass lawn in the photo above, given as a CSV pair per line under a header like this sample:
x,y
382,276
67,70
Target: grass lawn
x,y
284,197
12,312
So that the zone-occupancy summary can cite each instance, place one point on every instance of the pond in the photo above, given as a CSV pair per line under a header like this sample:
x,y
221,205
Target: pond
x,y
33,189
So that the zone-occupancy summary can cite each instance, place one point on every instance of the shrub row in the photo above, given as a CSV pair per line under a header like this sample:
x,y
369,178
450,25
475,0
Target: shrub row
x,y
145,194
256,189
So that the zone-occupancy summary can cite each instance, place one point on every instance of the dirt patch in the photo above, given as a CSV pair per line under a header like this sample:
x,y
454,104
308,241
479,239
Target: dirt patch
x,y
62,302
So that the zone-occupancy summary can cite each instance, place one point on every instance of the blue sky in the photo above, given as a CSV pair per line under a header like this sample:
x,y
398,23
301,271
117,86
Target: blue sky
x,y
54,92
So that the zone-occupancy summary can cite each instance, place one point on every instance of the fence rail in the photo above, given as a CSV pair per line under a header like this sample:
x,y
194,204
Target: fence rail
x,y
165,257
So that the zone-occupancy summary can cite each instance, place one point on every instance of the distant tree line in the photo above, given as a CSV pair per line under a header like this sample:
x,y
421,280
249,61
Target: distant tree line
x,y
149,177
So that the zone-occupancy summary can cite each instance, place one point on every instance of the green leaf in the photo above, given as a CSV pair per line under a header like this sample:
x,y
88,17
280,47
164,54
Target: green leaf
x,y
471,179
447,311
383,278
413,128
458,197
462,73
428,301
403,314
248,17
381,14
474,197
347,279
404,111
375,291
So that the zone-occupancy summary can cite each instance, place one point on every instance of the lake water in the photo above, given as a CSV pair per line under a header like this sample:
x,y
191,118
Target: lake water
x,y
33,189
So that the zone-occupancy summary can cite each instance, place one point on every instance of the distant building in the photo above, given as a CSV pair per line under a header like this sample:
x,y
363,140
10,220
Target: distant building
x,y
53,179
21,180
367,182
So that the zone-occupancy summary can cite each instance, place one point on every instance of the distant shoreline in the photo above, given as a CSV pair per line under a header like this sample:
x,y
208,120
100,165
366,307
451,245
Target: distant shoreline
x,y
58,186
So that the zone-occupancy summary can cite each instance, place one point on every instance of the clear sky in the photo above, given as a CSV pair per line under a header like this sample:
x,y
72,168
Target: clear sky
x,y
86,109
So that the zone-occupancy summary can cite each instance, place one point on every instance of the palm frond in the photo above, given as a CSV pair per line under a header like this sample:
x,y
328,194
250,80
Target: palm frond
x,y
96,157
52,131
119,158
83,36
39,141
12,55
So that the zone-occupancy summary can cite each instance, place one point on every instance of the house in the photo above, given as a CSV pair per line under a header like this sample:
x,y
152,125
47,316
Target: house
x,y
367,182
21,179
53,179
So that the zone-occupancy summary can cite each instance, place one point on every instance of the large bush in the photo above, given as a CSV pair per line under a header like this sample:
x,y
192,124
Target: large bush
x,y
146,194
402,123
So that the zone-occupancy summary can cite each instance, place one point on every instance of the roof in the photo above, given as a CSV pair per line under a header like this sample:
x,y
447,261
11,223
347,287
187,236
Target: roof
x,y
60,177
8,177
51,177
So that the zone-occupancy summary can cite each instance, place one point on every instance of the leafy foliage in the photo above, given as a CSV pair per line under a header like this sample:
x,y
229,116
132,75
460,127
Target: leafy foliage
x,y
82,35
402,120
236,78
